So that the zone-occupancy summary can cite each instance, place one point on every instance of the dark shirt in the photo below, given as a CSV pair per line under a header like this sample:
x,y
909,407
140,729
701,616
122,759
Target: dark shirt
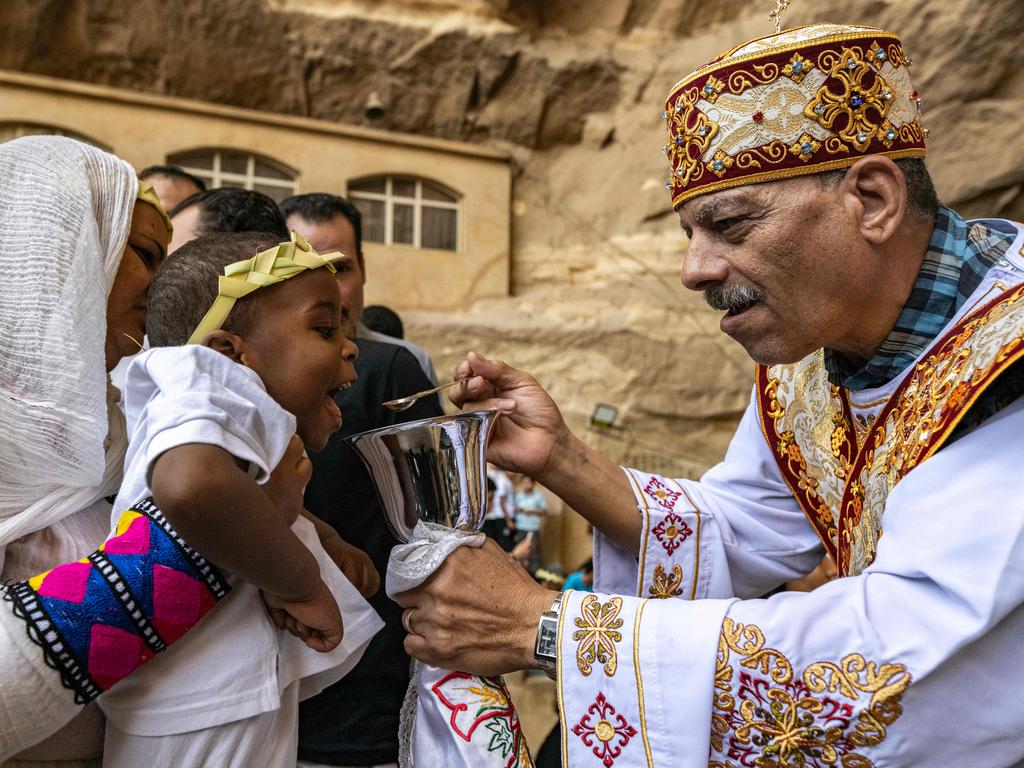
x,y
355,721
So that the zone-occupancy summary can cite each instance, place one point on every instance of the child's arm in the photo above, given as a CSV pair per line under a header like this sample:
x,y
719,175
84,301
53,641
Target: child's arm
x,y
231,520
352,561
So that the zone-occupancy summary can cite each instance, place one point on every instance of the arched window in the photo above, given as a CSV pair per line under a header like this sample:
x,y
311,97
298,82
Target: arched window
x,y
231,168
10,131
404,210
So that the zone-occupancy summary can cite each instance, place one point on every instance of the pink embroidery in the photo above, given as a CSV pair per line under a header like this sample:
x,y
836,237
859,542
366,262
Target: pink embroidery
x,y
661,494
611,731
672,531
67,582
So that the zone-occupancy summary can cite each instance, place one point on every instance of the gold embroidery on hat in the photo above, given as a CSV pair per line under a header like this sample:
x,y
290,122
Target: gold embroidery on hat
x,y
854,101
720,163
688,167
772,153
742,79
797,68
805,147
712,88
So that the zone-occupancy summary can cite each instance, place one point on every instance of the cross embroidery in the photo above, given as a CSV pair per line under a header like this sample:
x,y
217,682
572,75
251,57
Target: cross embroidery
x,y
608,735
672,531
662,495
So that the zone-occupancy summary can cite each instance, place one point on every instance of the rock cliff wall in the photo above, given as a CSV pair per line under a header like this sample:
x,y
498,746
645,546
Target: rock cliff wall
x,y
572,89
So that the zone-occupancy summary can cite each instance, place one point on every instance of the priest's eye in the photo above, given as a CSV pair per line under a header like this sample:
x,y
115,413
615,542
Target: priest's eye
x,y
724,225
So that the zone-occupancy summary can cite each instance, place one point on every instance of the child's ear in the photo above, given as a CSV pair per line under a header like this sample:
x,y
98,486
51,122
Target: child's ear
x,y
227,343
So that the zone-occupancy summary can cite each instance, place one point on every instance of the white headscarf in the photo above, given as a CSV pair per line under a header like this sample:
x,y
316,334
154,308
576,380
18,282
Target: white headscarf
x,y
65,213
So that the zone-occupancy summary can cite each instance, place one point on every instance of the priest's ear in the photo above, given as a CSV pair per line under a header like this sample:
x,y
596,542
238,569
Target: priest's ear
x,y
227,343
876,192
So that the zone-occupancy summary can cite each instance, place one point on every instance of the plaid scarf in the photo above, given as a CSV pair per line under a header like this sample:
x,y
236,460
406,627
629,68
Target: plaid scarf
x,y
959,255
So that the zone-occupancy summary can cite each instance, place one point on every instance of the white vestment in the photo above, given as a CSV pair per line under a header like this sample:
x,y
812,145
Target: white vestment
x,y
910,661
227,693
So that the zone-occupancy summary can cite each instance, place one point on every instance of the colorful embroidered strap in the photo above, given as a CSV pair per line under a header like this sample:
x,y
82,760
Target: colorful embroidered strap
x,y
268,267
99,618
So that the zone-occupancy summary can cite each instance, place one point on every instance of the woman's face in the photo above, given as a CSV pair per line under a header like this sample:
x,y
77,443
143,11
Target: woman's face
x,y
126,305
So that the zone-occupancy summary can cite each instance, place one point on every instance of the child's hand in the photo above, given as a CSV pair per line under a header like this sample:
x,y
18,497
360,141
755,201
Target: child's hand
x,y
288,481
316,621
354,563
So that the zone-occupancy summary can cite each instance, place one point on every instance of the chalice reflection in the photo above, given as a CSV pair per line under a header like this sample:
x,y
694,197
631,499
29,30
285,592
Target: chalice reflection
x,y
434,470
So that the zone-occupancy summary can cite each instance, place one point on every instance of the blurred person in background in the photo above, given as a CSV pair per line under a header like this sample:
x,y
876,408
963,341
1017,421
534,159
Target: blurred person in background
x,y
172,184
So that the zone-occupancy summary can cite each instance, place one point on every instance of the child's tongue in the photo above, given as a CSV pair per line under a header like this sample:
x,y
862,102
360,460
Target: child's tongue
x,y
332,408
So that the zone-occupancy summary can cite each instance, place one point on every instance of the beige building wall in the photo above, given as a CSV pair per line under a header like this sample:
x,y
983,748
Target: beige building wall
x,y
146,130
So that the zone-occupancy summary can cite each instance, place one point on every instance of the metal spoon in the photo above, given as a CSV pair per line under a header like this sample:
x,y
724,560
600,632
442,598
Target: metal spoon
x,y
406,402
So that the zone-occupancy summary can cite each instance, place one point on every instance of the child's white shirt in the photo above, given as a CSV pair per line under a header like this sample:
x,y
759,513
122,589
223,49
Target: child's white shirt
x,y
235,663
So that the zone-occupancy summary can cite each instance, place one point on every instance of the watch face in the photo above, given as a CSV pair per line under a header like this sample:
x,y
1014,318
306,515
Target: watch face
x,y
547,645
547,638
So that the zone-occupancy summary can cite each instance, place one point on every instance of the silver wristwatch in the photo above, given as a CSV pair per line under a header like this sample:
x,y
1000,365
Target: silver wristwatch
x,y
545,649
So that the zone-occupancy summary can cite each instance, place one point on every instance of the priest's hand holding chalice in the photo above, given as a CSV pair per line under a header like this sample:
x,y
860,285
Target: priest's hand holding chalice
x,y
471,613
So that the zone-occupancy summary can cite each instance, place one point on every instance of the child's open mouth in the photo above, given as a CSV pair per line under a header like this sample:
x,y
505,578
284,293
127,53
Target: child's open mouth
x,y
331,404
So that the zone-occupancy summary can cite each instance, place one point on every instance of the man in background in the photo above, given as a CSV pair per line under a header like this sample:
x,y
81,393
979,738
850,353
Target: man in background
x,y
332,223
226,209
172,184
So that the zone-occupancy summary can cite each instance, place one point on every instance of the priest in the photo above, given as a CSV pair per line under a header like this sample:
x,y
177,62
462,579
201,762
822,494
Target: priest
x,y
884,430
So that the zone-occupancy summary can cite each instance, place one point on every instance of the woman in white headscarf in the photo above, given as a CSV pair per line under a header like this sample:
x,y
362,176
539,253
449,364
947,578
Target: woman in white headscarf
x,y
79,243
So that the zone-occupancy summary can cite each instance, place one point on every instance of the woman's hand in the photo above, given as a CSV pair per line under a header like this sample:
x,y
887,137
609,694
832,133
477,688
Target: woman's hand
x,y
287,482
355,564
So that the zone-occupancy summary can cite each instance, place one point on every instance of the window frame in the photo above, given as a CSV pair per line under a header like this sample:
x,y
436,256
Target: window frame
x,y
216,177
22,128
418,202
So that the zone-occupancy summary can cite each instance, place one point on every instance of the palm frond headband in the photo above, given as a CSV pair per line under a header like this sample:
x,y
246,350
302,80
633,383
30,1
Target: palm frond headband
x,y
269,267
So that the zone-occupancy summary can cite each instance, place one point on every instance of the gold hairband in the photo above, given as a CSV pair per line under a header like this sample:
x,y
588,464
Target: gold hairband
x,y
147,194
268,267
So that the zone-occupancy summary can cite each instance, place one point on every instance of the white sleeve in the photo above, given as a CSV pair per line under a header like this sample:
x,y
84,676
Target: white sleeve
x,y
913,662
738,531
180,395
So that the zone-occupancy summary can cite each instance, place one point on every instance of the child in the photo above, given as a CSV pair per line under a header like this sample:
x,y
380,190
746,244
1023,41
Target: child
x,y
211,447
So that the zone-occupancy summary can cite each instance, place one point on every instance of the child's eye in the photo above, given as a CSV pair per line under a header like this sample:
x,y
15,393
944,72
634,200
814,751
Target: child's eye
x,y
326,331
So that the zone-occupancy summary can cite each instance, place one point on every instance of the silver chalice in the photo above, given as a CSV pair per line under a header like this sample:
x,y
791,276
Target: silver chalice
x,y
433,470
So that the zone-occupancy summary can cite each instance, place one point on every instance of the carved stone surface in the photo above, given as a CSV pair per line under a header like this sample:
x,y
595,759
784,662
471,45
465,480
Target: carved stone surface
x,y
573,90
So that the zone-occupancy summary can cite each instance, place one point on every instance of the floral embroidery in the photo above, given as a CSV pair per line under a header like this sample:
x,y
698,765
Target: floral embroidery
x,y
712,88
825,430
720,163
661,493
805,147
672,531
484,701
690,134
765,715
797,68
608,735
666,584
597,634
922,414
861,89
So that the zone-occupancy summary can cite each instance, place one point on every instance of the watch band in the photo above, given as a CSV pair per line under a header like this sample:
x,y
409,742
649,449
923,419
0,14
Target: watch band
x,y
545,649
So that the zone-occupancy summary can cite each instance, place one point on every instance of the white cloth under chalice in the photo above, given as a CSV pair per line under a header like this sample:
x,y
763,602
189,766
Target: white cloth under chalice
x,y
451,718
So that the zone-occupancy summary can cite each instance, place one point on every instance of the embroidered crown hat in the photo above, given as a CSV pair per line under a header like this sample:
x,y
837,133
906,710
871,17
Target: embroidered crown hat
x,y
801,101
